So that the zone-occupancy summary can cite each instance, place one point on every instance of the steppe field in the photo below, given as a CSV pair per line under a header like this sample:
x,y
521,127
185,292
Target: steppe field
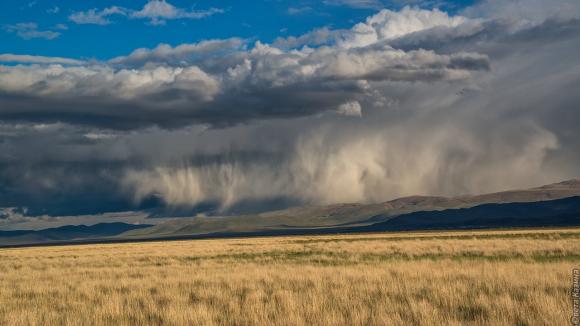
x,y
518,277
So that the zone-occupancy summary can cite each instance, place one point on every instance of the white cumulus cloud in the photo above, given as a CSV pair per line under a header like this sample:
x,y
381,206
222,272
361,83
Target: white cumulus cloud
x,y
350,109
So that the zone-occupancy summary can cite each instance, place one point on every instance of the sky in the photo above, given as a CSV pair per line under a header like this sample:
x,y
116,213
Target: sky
x,y
123,110
83,29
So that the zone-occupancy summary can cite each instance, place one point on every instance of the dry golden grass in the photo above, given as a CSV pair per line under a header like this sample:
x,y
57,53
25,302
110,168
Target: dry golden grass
x,y
453,278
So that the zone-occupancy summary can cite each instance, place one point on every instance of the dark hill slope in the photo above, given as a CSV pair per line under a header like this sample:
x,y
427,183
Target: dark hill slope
x,y
560,212
68,232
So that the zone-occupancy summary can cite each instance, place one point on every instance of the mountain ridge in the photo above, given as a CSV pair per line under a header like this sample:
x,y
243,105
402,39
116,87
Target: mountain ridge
x,y
69,232
405,213
354,214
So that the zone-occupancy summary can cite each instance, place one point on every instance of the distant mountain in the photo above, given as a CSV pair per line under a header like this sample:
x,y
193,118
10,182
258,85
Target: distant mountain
x,y
559,190
553,213
68,232
349,215
559,212
551,205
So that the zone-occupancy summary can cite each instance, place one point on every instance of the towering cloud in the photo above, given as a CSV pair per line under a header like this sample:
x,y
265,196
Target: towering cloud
x,y
408,102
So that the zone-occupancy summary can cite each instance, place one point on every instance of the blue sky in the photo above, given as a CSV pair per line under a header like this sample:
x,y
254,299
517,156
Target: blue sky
x,y
46,27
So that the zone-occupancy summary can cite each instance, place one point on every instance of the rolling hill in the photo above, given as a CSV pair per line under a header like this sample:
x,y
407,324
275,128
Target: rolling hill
x,y
551,205
559,212
350,215
67,233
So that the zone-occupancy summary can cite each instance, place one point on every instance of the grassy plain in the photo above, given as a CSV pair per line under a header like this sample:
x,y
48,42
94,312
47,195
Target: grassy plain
x,y
445,278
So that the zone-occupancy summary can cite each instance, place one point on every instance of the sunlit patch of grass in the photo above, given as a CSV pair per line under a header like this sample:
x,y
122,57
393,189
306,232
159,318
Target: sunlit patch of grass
x,y
446,278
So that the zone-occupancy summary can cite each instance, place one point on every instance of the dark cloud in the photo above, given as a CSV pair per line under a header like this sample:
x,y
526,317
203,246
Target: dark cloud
x,y
265,83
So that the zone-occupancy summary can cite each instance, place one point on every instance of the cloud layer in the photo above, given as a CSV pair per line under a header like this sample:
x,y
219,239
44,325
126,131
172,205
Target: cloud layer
x,y
29,31
225,82
157,12
407,102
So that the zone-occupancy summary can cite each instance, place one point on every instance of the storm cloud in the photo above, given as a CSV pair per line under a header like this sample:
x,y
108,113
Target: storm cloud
x,y
262,83
407,102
